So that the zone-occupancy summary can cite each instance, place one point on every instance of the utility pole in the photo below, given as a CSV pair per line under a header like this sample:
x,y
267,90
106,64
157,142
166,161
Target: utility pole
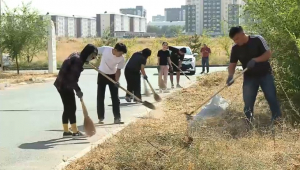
x,y
1,57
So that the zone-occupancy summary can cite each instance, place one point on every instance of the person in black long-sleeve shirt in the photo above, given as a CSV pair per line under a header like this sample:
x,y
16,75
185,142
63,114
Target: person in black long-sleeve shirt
x,y
177,56
133,70
67,81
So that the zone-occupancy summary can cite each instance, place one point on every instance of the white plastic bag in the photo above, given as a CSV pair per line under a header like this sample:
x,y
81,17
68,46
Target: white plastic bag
x,y
216,107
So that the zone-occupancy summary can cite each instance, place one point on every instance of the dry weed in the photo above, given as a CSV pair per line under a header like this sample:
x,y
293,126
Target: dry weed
x,y
9,77
224,142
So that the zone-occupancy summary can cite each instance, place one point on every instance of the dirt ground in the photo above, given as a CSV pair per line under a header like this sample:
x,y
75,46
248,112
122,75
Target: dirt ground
x,y
14,78
224,142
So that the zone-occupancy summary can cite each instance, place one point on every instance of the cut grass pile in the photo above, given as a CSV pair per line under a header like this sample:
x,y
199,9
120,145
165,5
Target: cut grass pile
x,y
223,142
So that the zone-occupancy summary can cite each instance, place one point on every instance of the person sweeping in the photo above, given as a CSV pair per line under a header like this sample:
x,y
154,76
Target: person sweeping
x,y
67,82
135,66
177,56
254,54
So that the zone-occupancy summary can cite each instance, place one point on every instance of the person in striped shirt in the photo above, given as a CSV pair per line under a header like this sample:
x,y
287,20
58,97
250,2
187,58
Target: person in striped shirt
x,y
254,54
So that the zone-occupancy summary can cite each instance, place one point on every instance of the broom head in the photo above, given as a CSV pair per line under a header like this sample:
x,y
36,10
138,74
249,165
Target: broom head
x,y
89,126
149,105
157,97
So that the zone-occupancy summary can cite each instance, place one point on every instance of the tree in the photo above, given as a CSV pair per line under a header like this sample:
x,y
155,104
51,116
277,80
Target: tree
x,y
21,29
278,21
195,43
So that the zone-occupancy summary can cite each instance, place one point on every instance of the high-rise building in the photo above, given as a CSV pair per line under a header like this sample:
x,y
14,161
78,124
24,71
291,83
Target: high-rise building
x,y
138,10
74,26
212,16
175,14
190,19
158,18
121,25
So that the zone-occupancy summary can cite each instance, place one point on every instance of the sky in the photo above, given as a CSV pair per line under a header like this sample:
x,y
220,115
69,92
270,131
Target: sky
x,y
90,8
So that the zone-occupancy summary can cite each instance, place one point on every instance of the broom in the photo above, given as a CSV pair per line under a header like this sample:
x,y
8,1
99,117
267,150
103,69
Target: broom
x,y
156,96
88,124
145,103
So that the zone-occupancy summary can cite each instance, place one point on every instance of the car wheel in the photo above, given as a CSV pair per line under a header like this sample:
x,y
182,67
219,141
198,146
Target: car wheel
x,y
193,72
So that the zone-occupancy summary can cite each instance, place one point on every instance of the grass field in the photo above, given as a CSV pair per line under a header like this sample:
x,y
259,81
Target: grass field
x,y
66,46
223,142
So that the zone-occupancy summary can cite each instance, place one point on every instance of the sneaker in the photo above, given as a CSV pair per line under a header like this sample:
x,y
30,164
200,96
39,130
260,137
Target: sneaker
x,y
78,134
207,72
178,86
67,134
101,121
160,90
202,72
172,86
118,121
128,99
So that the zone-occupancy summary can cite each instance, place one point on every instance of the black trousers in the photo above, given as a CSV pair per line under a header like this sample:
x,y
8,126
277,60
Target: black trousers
x,y
133,79
68,99
114,92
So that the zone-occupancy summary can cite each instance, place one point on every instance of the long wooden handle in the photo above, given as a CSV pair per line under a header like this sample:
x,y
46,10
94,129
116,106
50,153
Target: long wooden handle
x,y
180,70
153,91
207,100
113,81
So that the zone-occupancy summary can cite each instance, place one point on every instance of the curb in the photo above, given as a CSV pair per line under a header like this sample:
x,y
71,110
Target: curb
x,y
46,68
83,152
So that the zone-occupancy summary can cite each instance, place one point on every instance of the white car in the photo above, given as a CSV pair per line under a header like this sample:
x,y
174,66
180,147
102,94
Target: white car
x,y
189,61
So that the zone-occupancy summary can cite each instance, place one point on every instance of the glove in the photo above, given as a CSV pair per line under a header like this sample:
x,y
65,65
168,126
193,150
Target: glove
x,y
117,84
229,81
79,94
251,64
145,77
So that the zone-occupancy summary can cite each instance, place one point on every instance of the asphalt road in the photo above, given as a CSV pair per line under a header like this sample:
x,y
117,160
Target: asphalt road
x,y
30,121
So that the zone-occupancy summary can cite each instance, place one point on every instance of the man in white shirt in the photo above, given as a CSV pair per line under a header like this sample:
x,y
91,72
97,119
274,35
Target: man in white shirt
x,y
112,62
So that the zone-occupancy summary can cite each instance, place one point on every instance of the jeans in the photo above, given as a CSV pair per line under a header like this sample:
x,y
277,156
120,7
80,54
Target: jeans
x,y
133,79
114,92
205,62
250,89
69,102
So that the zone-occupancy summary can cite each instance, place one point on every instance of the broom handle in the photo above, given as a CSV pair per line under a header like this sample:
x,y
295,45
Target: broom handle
x,y
113,81
221,89
180,70
153,91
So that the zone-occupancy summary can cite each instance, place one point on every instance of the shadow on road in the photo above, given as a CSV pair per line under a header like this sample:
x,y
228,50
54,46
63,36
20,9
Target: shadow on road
x,y
52,143
126,104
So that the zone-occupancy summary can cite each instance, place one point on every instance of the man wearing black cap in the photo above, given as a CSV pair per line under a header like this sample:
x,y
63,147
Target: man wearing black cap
x,y
67,81
177,56
135,66
254,54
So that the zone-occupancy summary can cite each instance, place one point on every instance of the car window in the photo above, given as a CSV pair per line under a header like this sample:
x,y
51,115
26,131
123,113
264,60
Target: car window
x,y
188,51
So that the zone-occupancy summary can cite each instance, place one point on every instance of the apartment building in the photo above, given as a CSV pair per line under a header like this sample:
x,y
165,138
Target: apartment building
x,y
190,19
158,18
212,16
71,26
121,25
175,14
167,23
138,10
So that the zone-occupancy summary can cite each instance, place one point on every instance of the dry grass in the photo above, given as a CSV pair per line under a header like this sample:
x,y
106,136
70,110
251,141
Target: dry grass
x,y
223,142
13,78
66,46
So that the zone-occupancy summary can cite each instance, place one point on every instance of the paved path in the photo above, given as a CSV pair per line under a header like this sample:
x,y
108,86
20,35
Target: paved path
x,y
30,122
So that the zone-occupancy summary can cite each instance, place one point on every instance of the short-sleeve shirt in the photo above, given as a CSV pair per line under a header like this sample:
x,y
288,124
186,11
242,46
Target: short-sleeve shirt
x,y
163,57
175,56
255,47
136,61
109,62
205,51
